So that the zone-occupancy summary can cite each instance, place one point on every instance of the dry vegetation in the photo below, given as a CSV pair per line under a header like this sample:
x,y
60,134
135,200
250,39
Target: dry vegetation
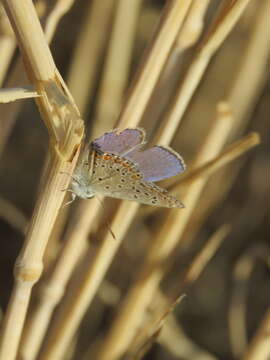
x,y
174,283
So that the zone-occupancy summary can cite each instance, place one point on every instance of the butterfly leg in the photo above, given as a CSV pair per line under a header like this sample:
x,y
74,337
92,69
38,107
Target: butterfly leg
x,y
91,163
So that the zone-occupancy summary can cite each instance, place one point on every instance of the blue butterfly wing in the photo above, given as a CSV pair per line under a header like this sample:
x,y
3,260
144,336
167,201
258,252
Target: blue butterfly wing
x,y
120,143
157,163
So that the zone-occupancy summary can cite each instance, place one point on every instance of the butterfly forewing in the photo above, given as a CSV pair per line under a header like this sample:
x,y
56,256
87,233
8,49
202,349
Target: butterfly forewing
x,y
119,142
120,178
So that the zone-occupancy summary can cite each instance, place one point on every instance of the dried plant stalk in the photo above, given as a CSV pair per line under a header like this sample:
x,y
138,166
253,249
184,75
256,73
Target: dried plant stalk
x,y
53,290
259,349
238,148
61,7
66,131
151,67
243,93
9,95
251,71
235,150
141,293
161,304
7,48
92,38
194,24
212,41
115,73
9,113
237,309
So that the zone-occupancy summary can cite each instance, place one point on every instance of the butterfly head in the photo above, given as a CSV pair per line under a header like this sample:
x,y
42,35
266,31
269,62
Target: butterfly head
x,y
81,189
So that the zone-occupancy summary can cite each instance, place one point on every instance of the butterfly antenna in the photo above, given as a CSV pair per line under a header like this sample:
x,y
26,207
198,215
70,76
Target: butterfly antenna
x,y
106,222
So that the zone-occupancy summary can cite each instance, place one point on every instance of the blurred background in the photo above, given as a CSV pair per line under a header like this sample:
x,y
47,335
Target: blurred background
x,y
226,304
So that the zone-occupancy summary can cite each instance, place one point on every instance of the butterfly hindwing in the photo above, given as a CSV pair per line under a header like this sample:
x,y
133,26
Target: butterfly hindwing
x,y
157,163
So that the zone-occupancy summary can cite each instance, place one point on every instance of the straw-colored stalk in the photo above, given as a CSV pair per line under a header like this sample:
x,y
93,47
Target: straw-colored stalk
x,y
17,76
9,95
237,310
212,41
174,338
154,60
165,87
238,148
52,291
161,304
235,150
7,45
61,7
66,131
116,67
92,38
194,24
140,295
250,76
242,94
259,349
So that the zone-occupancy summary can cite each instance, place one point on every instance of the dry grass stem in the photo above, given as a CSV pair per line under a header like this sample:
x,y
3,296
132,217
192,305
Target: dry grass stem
x,y
7,45
54,288
238,148
259,349
243,93
238,308
212,41
140,295
66,130
87,54
116,68
71,312
9,95
201,260
162,305
61,7
173,338
251,70
193,26
9,113
153,63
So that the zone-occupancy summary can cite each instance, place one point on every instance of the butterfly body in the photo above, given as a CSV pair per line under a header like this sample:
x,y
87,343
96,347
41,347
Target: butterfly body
x,y
114,165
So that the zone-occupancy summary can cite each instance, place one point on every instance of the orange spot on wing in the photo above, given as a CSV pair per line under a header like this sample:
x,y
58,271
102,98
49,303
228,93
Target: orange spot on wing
x,y
117,160
107,157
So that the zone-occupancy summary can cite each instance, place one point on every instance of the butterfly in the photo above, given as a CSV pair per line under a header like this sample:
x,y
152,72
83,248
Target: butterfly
x,y
116,165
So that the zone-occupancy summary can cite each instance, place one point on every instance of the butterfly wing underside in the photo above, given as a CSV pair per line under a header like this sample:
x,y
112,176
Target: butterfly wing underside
x,y
119,178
